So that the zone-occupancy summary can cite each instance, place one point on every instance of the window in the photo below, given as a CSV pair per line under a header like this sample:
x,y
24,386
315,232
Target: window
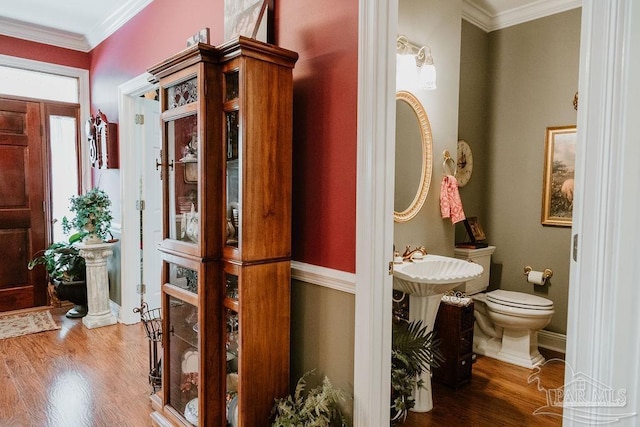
x,y
34,84
64,169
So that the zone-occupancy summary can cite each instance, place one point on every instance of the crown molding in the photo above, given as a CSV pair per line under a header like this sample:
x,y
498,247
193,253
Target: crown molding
x,y
69,40
488,22
116,20
476,15
46,35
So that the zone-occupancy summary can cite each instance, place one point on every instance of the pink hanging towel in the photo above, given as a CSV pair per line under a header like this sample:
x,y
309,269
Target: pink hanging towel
x,y
450,203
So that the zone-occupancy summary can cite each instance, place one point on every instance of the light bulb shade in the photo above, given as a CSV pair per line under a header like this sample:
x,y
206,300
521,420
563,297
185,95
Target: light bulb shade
x,y
406,72
427,77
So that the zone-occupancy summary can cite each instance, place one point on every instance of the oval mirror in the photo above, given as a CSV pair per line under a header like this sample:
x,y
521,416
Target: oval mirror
x,y
414,153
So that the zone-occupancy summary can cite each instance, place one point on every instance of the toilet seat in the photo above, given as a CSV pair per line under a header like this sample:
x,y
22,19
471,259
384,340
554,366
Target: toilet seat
x,y
519,300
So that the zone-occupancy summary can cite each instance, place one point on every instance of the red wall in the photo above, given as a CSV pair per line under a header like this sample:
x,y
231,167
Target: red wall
x,y
157,32
325,34
42,52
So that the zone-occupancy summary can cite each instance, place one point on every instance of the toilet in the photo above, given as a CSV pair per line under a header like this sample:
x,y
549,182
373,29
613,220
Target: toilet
x,y
507,322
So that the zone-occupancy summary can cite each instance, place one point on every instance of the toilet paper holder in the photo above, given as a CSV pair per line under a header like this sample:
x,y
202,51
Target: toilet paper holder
x,y
546,273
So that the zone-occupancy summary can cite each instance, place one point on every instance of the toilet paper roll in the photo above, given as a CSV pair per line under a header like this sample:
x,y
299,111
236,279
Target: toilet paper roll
x,y
535,277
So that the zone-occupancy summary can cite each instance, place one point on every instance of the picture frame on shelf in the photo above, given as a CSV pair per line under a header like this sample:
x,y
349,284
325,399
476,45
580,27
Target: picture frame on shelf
x,y
201,36
249,18
474,229
559,171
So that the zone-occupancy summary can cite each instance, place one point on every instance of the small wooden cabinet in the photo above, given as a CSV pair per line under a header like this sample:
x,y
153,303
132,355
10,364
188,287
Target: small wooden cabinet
x,y
454,326
226,168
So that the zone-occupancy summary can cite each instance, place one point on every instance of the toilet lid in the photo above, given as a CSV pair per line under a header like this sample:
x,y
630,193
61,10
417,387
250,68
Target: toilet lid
x,y
518,299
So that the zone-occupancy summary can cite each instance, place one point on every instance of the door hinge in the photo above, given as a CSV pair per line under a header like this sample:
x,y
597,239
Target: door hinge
x,y
141,288
139,119
140,205
390,268
575,247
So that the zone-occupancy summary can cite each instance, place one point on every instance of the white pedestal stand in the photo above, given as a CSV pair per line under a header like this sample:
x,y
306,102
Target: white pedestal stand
x,y
424,308
99,312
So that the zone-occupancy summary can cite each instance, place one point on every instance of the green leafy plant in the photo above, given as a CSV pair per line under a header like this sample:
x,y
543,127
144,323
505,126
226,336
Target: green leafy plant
x,y
319,407
62,261
413,351
93,215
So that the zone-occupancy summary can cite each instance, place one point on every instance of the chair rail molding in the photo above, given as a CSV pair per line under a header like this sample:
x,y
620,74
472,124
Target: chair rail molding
x,y
325,277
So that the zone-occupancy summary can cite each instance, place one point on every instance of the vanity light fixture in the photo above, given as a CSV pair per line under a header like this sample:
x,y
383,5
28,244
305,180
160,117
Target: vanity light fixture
x,y
414,66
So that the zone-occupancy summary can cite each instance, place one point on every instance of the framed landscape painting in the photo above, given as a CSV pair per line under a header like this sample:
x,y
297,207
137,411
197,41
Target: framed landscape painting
x,y
559,171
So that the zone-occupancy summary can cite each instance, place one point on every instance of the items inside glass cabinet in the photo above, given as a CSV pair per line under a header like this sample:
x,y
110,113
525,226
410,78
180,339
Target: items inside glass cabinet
x,y
232,121
184,358
182,135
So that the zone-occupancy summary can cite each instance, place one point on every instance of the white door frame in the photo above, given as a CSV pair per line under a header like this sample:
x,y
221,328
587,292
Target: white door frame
x,y
603,292
378,21
130,193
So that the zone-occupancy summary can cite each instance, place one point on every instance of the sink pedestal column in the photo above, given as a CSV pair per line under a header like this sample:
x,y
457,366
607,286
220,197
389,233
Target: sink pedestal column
x,y
95,256
425,309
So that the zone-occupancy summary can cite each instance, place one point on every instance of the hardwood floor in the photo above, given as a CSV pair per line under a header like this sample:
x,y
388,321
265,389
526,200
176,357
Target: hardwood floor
x,y
75,377
498,395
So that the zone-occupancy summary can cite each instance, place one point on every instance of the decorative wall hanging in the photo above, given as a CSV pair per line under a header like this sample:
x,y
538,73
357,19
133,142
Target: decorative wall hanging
x,y
464,163
201,36
246,18
559,170
102,138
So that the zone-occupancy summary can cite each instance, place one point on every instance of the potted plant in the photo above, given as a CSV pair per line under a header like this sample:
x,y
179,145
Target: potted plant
x,y
93,216
413,351
318,407
67,274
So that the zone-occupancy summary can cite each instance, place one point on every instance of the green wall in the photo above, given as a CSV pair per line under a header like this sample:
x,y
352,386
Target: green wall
x,y
322,335
532,75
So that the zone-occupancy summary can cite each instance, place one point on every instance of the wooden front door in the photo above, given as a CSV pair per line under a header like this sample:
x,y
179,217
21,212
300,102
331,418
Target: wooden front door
x,y
22,208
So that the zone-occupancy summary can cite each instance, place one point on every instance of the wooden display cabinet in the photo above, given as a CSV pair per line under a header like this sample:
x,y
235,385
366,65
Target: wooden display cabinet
x,y
226,168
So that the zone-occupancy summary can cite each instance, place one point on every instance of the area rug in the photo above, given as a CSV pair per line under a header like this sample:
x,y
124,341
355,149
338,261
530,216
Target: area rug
x,y
15,325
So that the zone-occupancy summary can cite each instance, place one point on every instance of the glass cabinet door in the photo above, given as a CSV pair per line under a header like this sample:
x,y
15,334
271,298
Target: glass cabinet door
x,y
182,146
182,342
233,147
182,157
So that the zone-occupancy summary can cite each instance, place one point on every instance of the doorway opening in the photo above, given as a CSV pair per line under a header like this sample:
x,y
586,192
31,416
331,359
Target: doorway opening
x,y
141,191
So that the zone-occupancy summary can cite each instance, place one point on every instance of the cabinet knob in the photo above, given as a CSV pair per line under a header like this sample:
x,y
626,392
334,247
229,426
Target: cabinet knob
x,y
464,362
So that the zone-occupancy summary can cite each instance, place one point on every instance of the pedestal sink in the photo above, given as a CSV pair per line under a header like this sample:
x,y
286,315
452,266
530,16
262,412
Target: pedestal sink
x,y
426,280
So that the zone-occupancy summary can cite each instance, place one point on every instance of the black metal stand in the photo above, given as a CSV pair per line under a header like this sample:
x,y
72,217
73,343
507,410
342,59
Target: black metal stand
x,y
152,320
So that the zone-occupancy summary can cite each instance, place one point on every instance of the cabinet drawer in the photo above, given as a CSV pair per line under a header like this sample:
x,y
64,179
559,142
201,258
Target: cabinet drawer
x,y
466,343
466,318
464,369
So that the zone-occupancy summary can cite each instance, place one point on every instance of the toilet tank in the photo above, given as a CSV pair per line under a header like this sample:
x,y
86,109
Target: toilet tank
x,y
481,256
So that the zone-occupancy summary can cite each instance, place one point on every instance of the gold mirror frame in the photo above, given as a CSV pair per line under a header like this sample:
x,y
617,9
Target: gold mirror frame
x,y
427,157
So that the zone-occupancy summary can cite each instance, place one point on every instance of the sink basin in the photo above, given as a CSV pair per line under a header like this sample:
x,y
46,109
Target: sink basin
x,y
433,274
426,280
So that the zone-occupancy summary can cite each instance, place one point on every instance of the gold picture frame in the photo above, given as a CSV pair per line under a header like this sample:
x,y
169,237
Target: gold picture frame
x,y
559,171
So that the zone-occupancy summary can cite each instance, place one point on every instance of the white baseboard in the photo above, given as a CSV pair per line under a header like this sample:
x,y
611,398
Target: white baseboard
x,y
552,341
115,310
322,276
